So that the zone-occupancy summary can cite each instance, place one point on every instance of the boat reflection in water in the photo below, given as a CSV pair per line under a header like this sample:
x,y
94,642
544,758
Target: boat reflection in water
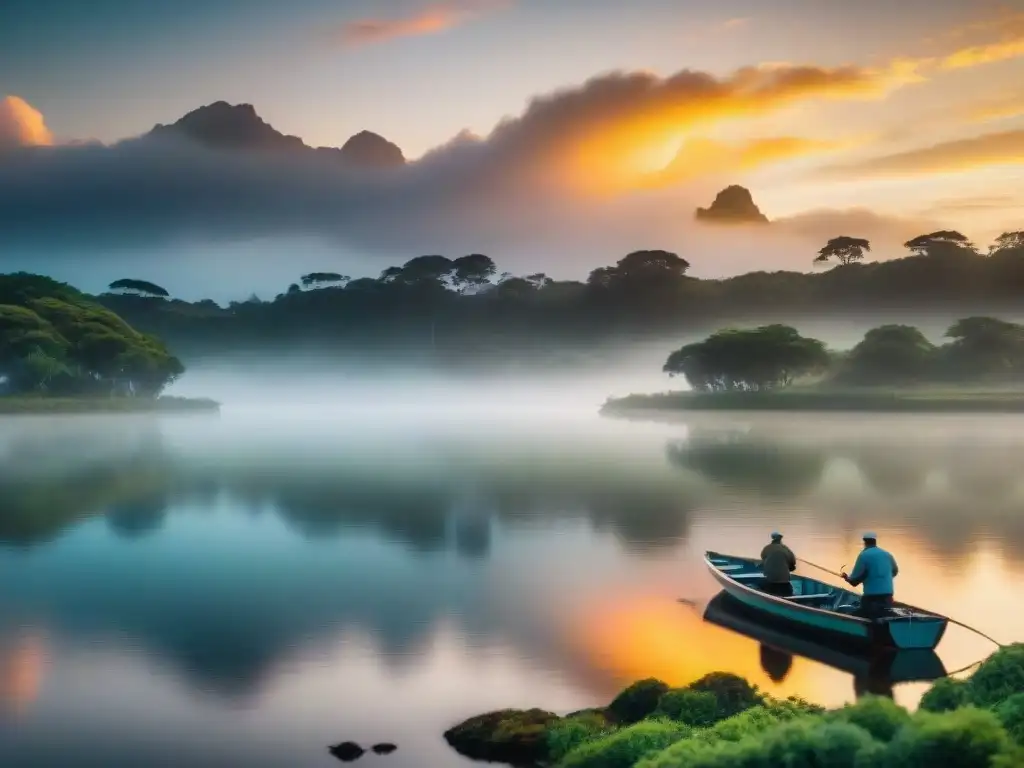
x,y
873,673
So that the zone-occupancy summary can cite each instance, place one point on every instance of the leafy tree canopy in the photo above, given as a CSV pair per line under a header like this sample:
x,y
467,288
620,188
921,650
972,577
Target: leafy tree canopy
x,y
845,250
139,287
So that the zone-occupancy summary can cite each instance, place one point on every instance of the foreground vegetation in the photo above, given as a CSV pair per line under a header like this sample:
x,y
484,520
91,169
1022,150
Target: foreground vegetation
x,y
721,721
56,342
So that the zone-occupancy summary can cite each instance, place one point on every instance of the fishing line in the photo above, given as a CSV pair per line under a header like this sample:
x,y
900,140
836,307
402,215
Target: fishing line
x,y
947,618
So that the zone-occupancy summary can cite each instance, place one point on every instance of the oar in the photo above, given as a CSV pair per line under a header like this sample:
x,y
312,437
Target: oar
x,y
947,618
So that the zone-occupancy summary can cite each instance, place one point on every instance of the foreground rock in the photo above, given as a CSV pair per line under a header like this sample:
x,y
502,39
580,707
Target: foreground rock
x,y
512,736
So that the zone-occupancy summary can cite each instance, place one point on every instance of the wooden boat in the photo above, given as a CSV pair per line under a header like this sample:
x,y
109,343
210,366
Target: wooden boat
x,y
877,671
823,610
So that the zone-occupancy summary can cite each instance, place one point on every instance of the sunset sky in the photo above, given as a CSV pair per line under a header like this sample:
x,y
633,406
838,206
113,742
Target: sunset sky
x,y
888,114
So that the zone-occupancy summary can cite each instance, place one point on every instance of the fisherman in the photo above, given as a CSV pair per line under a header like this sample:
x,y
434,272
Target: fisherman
x,y
777,562
875,569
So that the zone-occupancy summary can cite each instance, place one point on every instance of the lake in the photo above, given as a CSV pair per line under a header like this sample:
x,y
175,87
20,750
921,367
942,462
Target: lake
x,y
246,589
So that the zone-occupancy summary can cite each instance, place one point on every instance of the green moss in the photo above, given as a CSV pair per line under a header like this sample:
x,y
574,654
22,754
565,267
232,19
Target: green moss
x,y
637,701
878,715
696,708
946,694
626,746
1011,714
569,733
732,693
508,736
999,677
966,738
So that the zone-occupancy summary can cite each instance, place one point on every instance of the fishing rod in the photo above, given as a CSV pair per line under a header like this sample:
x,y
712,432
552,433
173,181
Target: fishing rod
x,y
947,618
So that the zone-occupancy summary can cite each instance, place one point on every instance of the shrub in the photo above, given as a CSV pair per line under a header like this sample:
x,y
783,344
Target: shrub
x,y
696,708
566,735
809,743
879,716
734,694
966,738
1011,714
999,677
946,694
626,746
638,701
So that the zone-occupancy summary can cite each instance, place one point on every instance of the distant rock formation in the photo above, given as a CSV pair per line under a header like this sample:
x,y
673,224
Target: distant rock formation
x,y
733,205
229,126
370,150
238,127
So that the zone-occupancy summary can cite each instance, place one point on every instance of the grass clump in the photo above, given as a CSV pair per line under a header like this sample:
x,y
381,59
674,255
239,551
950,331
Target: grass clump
x,y
627,746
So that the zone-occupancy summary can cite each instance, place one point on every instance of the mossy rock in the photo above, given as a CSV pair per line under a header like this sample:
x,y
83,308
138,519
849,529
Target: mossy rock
x,y
513,736
574,730
637,701
734,694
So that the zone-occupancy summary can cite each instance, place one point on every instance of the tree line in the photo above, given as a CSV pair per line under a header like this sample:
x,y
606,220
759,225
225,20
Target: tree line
x,y
979,350
465,309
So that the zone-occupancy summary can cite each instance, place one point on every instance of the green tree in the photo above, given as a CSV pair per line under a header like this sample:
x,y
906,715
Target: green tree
x,y
762,358
890,354
845,250
139,288
984,347
472,271
320,279
941,243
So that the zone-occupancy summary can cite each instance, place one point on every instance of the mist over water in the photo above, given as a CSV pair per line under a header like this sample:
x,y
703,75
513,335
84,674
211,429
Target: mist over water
x,y
373,557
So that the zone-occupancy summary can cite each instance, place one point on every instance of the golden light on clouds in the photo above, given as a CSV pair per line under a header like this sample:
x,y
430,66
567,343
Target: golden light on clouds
x,y
614,131
1008,45
22,125
997,109
429,20
1003,148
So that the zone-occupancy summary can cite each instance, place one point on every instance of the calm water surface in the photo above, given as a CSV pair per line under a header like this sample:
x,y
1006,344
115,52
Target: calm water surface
x,y
248,589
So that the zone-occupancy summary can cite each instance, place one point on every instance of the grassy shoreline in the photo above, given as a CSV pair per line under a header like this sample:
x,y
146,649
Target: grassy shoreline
x,y
869,401
13,406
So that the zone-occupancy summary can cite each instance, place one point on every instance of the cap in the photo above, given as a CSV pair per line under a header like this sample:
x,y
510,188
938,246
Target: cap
x,y
776,535
869,535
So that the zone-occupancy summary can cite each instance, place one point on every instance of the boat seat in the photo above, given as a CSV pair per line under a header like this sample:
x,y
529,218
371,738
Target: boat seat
x,y
730,567
819,596
747,576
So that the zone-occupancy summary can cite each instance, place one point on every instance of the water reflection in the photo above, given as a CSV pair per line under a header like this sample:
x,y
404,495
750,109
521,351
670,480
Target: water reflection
x,y
220,564
872,673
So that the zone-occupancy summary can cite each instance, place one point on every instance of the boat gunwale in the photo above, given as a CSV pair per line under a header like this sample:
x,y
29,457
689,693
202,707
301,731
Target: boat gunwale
x,y
720,576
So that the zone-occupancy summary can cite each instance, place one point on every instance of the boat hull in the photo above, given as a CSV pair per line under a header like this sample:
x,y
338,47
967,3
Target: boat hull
x,y
910,630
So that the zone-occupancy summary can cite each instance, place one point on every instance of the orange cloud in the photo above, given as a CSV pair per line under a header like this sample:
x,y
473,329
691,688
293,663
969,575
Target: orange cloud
x,y
430,20
1006,147
701,156
22,125
607,132
997,109
1009,45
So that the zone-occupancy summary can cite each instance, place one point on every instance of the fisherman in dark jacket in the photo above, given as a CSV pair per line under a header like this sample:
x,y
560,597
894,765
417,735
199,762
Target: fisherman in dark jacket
x,y
777,562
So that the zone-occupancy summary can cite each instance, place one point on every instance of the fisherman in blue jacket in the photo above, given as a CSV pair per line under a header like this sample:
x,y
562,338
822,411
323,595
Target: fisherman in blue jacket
x,y
875,569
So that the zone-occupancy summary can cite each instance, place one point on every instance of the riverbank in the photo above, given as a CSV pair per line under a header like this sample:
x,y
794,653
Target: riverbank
x,y
721,721
79,405
867,401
